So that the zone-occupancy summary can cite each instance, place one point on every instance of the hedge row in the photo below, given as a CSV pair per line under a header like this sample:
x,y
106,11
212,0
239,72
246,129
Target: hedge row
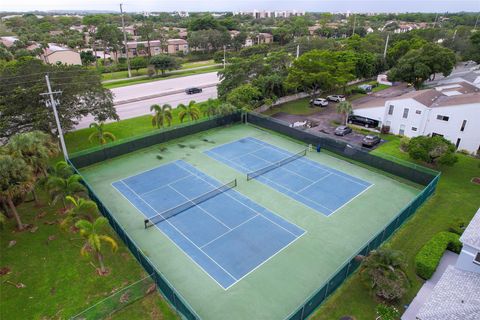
x,y
428,258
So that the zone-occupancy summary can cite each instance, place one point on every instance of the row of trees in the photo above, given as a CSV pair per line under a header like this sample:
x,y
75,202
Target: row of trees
x,y
24,170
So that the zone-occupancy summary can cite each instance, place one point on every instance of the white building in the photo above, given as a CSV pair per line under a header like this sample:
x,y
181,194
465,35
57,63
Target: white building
x,y
451,110
469,258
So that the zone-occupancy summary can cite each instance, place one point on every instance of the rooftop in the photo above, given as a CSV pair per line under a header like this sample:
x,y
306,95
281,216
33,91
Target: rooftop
x,y
471,235
455,297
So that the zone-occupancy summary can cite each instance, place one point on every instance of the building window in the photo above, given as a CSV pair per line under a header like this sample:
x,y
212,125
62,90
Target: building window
x,y
414,129
405,113
390,109
402,130
443,118
477,258
418,112
434,134
458,143
464,123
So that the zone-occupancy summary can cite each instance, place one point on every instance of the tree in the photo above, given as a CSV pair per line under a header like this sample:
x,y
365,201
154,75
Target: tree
x,y
320,70
384,271
345,108
190,110
245,97
16,180
422,64
211,108
59,188
385,312
110,36
80,209
225,109
474,51
164,62
147,32
161,115
137,63
92,232
23,108
434,150
87,58
99,134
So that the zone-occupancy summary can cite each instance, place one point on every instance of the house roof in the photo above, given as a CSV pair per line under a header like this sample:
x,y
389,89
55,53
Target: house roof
x,y
177,41
8,41
455,297
471,235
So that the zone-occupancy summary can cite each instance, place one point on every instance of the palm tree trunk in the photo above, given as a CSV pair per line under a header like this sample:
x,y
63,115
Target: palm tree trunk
x,y
100,261
35,197
15,213
64,203
5,208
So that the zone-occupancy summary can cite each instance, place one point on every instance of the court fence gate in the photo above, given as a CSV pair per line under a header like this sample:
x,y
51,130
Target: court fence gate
x,y
406,170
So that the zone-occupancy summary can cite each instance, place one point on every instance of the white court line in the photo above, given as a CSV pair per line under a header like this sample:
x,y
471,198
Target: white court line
x,y
206,244
165,185
173,226
245,205
147,170
311,184
343,205
174,243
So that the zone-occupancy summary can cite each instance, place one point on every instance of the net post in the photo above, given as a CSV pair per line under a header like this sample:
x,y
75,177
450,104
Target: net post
x,y
146,223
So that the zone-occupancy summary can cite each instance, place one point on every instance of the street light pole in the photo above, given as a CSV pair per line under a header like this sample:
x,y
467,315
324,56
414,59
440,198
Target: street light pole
x,y
224,57
51,102
125,42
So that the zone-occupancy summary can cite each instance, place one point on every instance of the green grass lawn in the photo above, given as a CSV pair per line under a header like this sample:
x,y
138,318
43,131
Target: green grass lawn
x,y
59,282
143,71
124,129
301,107
456,197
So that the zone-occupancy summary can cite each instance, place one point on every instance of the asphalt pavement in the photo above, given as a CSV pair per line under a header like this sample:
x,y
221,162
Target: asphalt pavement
x,y
133,101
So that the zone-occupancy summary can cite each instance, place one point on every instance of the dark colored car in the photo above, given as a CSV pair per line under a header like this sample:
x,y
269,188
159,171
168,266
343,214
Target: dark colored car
x,y
370,141
359,120
193,90
342,130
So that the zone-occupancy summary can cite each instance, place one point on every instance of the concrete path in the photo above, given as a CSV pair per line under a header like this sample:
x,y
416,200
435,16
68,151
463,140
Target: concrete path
x,y
449,259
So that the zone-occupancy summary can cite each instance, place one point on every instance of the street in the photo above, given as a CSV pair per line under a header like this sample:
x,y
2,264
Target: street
x,y
133,101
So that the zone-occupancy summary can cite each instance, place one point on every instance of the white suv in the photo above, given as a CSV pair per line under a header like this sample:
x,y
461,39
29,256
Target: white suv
x,y
319,102
336,98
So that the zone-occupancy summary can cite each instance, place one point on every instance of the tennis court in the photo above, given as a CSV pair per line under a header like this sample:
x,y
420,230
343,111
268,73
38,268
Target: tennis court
x,y
320,187
222,231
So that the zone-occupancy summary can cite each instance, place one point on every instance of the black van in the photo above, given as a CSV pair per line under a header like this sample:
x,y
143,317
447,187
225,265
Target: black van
x,y
362,121
193,90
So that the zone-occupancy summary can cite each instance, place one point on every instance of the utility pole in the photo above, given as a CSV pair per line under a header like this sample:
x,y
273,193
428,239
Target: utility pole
x,y
298,50
476,22
125,41
454,35
224,56
354,23
386,46
50,101
435,22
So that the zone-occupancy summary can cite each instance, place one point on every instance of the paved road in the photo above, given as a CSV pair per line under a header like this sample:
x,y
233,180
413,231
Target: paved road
x,y
138,108
141,99
157,87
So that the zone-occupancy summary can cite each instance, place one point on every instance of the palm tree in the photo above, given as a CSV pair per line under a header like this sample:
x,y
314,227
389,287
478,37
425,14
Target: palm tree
x,y
91,231
100,135
35,148
162,114
16,180
345,108
211,108
61,169
60,188
190,110
80,208
384,270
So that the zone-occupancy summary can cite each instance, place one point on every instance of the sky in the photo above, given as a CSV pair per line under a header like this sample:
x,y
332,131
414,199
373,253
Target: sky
x,y
247,5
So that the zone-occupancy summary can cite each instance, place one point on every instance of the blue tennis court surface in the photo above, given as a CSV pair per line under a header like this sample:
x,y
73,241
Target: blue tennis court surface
x,y
311,183
228,235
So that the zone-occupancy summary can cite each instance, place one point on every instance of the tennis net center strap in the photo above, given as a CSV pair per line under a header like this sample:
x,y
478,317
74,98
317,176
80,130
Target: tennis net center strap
x,y
270,167
162,216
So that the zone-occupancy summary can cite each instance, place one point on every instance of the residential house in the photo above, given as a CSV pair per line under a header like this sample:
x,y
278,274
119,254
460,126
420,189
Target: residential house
x,y
312,29
175,46
253,39
172,46
456,296
56,54
452,111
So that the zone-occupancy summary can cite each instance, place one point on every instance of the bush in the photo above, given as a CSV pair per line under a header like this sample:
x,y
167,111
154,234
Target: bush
x,y
404,141
457,226
432,150
428,258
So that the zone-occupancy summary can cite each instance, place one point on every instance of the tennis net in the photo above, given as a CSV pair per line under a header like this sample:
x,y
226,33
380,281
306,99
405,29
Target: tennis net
x,y
270,167
167,214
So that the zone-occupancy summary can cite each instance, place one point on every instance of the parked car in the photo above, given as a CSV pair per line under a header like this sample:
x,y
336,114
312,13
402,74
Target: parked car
x,y
319,102
365,87
336,98
370,141
363,121
193,90
342,130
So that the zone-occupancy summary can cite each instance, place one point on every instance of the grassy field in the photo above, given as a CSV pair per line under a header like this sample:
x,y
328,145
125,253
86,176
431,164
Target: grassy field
x,y
128,128
128,82
59,282
301,107
456,198
143,71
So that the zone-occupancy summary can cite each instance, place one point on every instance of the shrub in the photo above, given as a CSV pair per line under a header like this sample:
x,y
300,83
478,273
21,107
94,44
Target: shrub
x,y
428,258
433,150
404,141
385,312
457,226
